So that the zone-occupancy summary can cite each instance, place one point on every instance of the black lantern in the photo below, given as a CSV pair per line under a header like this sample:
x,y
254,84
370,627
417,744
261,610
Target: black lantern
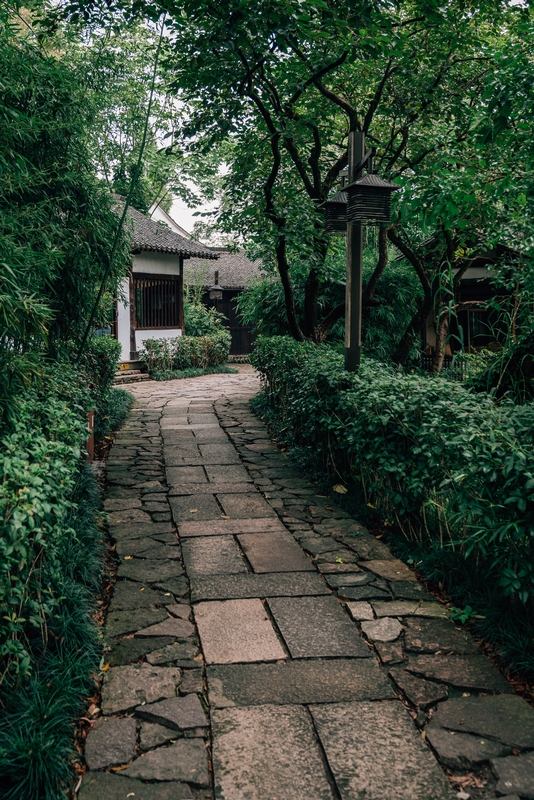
x,y
369,199
335,213
216,292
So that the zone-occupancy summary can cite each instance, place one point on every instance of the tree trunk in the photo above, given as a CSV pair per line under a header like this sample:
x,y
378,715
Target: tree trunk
x,y
291,311
411,333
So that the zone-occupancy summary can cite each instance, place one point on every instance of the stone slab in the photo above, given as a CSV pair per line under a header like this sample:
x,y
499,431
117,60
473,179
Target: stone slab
x,y
110,741
147,571
317,626
375,752
219,452
391,652
180,610
410,590
267,753
177,586
125,688
429,636
368,592
391,570
466,672
462,750
106,786
213,556
178,713
515,774
288,584
360,610
274,552
159,552
172,626
152,735
179,476
227,474
350,579
200,507
237,631
385,629
207,488
222,527
184,760
506,718
136,530
405,608
297,682
129,594
180,654
420,693
128,621
245,506
127,651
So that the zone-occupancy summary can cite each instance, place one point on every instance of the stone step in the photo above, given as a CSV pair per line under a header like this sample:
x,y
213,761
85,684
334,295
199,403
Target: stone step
x,y
130,376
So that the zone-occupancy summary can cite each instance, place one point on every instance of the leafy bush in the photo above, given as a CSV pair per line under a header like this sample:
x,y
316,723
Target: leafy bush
x,y
201,321
39,464
191,372
184,352
99,363
423,454
36,723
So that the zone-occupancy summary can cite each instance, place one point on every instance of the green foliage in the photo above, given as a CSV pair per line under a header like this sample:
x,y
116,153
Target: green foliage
x,y
36,742
510,372
422,454
201,321
191,372
110,414
56,219
99,362
184,352
39,464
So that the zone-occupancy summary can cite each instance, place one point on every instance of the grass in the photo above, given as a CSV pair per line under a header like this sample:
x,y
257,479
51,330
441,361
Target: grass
x,y
191,372
37,721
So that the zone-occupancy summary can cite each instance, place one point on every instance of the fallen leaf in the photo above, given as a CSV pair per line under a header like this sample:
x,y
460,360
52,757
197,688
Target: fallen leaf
x,y
339,561
340,489
128,558
118,769
105,668
225,516
200,657
193,510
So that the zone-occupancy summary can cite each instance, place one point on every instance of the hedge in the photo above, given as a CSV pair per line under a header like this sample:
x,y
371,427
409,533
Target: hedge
x,y
426,456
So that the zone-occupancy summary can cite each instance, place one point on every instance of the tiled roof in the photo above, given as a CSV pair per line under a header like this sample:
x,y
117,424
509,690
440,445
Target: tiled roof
x,y
235,269
156,237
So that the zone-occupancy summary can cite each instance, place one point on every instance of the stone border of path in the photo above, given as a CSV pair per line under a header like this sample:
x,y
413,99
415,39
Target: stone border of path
x,y
310,632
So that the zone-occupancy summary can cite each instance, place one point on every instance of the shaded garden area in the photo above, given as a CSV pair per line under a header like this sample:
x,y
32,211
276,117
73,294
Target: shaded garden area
x,y
248,108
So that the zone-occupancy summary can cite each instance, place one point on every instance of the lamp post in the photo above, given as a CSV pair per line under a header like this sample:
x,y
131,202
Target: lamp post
x,y
366,199
353,292
216,292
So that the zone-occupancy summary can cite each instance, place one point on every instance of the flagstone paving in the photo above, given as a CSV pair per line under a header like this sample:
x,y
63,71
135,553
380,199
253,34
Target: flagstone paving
x,y
263,645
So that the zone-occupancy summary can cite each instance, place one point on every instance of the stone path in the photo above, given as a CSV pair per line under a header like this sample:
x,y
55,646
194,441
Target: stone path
x,y
263,645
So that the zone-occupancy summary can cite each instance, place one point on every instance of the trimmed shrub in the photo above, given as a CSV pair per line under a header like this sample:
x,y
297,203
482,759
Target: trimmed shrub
x,y
185,352
426,456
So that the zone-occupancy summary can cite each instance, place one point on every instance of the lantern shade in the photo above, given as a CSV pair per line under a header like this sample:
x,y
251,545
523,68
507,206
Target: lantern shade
x,y
335,213
369,199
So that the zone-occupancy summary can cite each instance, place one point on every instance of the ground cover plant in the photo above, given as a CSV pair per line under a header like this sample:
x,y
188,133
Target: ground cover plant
x,y
58,228
445,469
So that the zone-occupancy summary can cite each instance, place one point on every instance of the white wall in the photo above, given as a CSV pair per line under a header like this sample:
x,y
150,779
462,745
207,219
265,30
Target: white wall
x,y
159,263
161,216
155,263
123,321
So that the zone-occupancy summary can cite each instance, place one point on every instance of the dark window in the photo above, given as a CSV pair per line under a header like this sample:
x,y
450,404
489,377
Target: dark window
x,y
157,301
